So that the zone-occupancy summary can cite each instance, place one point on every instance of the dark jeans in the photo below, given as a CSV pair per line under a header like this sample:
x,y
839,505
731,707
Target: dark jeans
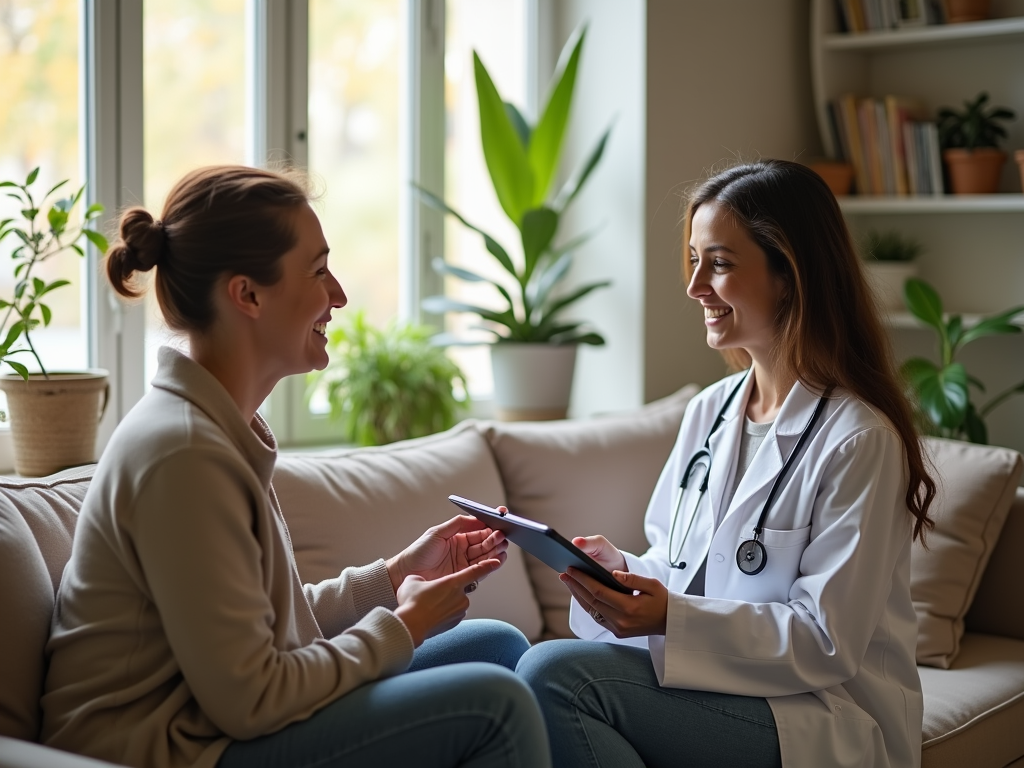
x,y
440,714
604,708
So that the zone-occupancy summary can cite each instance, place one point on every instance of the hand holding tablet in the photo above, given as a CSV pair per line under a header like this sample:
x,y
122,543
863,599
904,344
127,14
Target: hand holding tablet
x,y
542,542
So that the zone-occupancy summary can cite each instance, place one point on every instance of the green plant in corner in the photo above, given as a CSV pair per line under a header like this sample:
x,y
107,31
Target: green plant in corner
x,y
974,127
40,241
891,246
389,384
942,392
522,160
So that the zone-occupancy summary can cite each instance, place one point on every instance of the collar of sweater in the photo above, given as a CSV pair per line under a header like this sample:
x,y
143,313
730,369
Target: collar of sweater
x,y
186,378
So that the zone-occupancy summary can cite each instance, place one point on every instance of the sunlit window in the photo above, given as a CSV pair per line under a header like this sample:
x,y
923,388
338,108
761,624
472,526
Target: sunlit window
x,y
39,123
497,31
194,101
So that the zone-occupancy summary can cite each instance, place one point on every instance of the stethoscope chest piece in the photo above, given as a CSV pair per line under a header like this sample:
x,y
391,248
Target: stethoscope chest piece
x,y
751,557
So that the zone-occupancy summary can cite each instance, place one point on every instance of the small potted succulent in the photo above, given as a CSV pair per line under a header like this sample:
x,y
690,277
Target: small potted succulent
x,y
54,414
970,144
388,384
533,352
889,258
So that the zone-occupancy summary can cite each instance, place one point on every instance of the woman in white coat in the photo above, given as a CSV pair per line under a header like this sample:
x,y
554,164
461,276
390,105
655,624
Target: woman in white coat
x,y
771,621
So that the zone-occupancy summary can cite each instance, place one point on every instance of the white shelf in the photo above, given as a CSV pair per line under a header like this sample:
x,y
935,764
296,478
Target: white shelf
x,y
1010,202
907,320
941,34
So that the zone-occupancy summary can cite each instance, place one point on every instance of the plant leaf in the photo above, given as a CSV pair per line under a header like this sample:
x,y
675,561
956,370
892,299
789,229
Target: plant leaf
x,y
93,211
96,239
441,304
55,187
575,296
992,326
523,129
503,152
20,369
549,278
924,303
974,426
52,286
444,268
575,183
57,219
32,176
944,396
546,142
539,227
47,315
492,245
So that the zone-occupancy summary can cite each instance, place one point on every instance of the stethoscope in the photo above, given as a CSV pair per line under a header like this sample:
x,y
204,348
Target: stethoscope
x,y
751,557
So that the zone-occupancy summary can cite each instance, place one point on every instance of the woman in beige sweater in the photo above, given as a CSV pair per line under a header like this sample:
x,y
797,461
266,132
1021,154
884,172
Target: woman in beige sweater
x,y
182,635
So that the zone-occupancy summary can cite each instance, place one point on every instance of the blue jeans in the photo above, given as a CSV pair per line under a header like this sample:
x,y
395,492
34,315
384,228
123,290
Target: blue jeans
x,y
438,714
604,707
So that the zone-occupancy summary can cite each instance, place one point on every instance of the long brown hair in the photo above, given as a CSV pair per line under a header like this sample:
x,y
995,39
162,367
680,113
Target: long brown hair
x,y
219,219
828,331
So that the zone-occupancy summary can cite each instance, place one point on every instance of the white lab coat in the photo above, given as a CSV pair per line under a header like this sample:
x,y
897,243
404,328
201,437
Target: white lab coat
x,y
827,631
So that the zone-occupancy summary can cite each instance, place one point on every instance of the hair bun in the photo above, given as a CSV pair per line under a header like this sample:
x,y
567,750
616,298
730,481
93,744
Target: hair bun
x,y
144,239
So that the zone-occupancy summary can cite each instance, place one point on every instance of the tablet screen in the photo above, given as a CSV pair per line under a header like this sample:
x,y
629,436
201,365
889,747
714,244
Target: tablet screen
x,y
544,543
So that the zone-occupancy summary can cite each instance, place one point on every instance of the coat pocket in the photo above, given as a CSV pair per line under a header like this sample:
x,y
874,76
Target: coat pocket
x,y
783,550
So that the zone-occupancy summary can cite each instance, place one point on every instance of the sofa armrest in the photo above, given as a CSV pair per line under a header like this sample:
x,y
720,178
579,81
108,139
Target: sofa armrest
x,y
15,753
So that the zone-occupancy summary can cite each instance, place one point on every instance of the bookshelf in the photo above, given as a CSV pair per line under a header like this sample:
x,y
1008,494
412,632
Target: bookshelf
x,y
974,245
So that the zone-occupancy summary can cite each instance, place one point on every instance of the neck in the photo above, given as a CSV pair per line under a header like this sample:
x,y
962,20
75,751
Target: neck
x,y
770,391
234,366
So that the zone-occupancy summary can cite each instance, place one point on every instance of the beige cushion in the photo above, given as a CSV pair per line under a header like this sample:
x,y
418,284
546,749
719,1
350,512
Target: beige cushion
x,y
998,606
976,485
37,521
350,507
974,710
585,477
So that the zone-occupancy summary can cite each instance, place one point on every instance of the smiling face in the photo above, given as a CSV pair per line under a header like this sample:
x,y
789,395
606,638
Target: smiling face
x,y
297,308
733,282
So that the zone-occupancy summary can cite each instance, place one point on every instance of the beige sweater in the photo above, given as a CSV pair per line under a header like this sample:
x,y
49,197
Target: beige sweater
x,y
181,622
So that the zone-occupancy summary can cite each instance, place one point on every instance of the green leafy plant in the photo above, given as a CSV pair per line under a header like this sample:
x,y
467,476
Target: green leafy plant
x,y
974,127
522,160
942,392
389,384
891,246
42,236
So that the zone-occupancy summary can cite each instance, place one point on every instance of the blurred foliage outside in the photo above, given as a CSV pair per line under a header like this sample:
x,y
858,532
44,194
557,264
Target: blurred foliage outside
x,y
39,127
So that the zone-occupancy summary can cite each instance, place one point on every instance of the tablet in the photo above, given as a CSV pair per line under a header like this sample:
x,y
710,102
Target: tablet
x,y
542,542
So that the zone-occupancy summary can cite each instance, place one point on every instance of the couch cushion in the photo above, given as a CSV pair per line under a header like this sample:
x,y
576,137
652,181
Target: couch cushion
x,y
350,507
973,711
585,477
976,485
37,522
998,606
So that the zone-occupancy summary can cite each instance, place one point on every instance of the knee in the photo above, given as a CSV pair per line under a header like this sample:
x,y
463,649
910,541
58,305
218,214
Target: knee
x,y
508,642
545,664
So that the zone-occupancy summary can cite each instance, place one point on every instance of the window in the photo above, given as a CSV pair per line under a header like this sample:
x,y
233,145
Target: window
x,y
132,94
39,126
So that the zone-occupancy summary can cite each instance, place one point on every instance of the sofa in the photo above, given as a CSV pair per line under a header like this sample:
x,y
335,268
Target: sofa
x,y
579,476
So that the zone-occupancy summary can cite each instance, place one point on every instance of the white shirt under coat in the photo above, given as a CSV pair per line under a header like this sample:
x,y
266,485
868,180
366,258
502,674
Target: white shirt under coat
x,y
827,631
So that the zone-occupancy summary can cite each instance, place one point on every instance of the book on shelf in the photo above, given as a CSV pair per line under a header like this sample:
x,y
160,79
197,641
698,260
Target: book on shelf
x,y
893,149
873,15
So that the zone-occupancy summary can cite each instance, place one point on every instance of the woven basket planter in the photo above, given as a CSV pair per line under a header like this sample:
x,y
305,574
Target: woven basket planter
x,y
54,420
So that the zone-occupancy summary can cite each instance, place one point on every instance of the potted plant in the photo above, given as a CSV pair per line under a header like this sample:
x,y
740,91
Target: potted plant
x,y
54,414
941,392
389,384
534,349
970,144
889,258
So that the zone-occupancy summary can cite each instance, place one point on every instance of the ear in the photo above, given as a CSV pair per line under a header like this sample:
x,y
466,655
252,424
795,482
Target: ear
x,y
243,294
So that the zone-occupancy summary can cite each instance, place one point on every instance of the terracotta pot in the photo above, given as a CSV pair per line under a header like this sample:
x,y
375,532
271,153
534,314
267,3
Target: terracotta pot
x,y
532,382
838,176
1019,157
974,171
54,421
958,11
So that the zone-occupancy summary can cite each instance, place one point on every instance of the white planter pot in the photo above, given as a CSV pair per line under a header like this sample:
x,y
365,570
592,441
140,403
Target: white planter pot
x,y
532,382
886,279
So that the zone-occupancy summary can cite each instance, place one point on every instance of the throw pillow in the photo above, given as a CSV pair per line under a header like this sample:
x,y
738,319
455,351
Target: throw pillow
x,y
352,506
976,485
584,477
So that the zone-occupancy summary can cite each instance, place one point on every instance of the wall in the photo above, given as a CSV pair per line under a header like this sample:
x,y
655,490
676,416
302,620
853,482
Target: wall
x,y
725,80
